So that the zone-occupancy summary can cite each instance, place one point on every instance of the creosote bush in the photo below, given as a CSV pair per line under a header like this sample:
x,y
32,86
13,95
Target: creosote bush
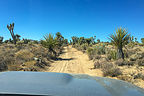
x,y
94,52
112,54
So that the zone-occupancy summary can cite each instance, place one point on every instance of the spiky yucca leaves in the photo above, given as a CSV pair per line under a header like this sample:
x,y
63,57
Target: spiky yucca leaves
x,y
50,42
120,39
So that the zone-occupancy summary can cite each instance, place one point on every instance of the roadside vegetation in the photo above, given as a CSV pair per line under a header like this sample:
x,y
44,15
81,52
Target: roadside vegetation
x,y
18,54
121,58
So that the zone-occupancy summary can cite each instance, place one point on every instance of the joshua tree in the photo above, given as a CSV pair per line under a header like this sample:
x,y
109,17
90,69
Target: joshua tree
x,y
1,39
142,40
74,40
88,40
98,40
59,38
81,40
120,39
17,37
10,28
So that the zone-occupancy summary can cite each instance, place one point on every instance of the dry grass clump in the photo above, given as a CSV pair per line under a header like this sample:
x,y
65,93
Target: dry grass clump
x,y
23,57
127,78
122,62
24,54
110,69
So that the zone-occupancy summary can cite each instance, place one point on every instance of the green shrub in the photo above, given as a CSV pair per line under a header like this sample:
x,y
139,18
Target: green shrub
x,y
90,52
20,42
30,43
112,54
100,49
35,42
26,41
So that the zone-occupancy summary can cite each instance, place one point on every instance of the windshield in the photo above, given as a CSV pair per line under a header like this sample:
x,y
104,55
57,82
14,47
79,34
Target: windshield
x,y
103,38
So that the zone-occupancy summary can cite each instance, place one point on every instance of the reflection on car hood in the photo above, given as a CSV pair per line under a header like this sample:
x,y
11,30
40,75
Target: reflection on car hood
x,y
62,84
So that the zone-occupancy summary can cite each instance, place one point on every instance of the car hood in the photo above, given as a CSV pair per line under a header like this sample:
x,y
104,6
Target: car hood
x,y
63,84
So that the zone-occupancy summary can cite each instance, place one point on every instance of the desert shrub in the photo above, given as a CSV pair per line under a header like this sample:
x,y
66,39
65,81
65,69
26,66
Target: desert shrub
x,y
25,55
21,57
139,76
6,58
110,69
131,45
126,54
140,62
97,65
140,55
112,54
100,49
141,44
30,63
90,52
14,67
20,42
30,43
94,52
41,63
35,42
127,78
96,57
136,56
130,63
3,66
40,51
84,46
122,62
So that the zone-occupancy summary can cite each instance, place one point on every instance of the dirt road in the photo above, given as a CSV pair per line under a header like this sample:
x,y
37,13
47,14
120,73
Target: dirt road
x,y
74,61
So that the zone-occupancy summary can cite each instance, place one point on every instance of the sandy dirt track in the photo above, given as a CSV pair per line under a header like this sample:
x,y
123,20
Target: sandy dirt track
x,y
73,61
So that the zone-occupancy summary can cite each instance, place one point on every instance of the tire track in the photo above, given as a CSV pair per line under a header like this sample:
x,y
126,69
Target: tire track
x,y
73,61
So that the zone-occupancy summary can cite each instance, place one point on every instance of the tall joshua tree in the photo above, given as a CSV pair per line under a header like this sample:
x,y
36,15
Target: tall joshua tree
x,y
120,39
10,28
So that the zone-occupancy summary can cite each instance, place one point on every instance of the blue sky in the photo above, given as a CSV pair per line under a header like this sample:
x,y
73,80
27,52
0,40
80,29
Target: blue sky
x,y
100,18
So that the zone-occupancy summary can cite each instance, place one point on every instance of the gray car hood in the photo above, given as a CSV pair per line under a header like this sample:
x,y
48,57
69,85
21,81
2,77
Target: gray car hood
x,y
62,84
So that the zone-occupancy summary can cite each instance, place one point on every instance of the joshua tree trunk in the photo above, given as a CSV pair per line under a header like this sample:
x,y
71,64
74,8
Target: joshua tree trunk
x,y
53,51
120,54
14,37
